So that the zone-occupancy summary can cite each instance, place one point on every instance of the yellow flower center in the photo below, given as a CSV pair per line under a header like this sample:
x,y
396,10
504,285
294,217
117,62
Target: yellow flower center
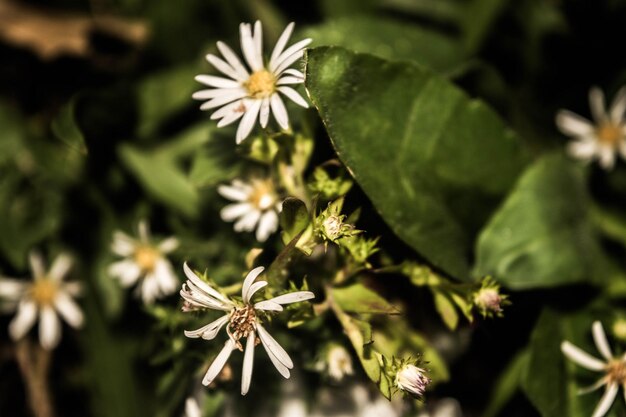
x,y
44,291
241,323
262,196
609,134
146,257
616,371
261,84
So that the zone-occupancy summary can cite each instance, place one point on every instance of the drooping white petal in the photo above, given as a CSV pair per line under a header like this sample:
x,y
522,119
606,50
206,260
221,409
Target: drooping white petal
x,y
219,362
149,288
272,345
280,367
247,222
264,114
235,211
582,149
127,271
596,103
36,265
230,118
233,60
248,120
606,156
60,267
599,337
23,320
123,245
203,286
194,296
247,282
296,48
236,108
232,95
294,96
12,288
253,289
248,362
217,82
293,297
225,68
581,357
268,305
169,245
165,276
233,193
607,400
69,310
209,331
268,223
279,111
49,328
281,43
192,409
618,107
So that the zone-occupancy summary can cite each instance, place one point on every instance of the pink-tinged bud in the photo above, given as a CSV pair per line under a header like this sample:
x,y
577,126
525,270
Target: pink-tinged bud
x,y
488,300
412,380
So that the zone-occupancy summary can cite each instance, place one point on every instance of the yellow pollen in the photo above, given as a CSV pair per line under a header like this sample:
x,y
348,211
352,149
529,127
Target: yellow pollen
x,y
261,84
44,291
616,371
609,134
262,196
146,257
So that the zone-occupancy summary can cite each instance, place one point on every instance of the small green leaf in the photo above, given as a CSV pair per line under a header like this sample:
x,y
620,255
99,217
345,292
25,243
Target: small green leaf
x,y
357,298
294,218
65,128
445,308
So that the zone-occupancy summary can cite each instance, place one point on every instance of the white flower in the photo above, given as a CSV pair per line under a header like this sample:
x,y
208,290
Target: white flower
x,y
446,407
144,262
256,206
192,409
412,380
339,363
601,139
241,320
47,296
253,93
613,368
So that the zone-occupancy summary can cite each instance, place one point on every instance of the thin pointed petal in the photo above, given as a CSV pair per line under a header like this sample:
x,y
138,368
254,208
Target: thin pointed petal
x,y
247,282
272,345
581,357
599,337
293,297
294,96
279,111
218,362
253,289
209,331
60,267
606,401
281,43
36,265
596,102
248,362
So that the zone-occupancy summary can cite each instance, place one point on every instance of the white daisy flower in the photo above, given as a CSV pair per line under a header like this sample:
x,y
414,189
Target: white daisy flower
x,y
47,296
256,206
144,262
242,320
613,368
601,139
252,92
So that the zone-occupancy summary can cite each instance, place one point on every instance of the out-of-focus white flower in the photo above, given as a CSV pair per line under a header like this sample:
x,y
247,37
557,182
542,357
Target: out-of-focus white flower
x,y
46,296
601,139
241,320
192,409
412,379
613,368
256,206
339,362
446,407
251,93
144,262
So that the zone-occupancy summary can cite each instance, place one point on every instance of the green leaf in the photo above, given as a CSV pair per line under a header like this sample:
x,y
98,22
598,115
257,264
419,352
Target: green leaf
x,y
65,128
542,235
357,298
445,308
439,182
294,218
478,18
389,39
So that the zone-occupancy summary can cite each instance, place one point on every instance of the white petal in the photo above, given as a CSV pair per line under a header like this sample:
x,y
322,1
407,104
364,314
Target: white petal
x,y
225,99
281,43
606,155
288,61
257,37
248,362
49,328
293,297
271,345
60,267
294,72
149,289
36,265
294,96
596,103
203,286
230,110
209,331
618,107
123,245
267,225
288,53
253,289
233,193
233,60
225,68
247,282
606,401
192,409
230,118
282,369
23,320
248,47
586,390
572,124
213,93
165,276
219,362
264,115
279,111
218,82
169,245
268,305
69,310
248,120
599,337
248,222
581,357
582,149
289,80
12,289
127,271
235,211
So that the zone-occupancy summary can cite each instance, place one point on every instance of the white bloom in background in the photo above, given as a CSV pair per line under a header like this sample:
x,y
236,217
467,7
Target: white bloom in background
x,y
601,139
241,320
446,407
339,362
612,368
192,409
412,380
144,262
256,206
250,93
46,296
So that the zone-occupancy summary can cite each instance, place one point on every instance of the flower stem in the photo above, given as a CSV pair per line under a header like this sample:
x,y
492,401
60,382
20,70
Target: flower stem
x,y
34,364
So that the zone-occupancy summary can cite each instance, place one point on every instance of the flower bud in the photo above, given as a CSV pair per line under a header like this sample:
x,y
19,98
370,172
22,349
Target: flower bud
x,y
412,379
488,300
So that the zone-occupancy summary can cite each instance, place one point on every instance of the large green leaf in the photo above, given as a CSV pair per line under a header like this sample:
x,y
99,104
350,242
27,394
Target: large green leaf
x,y
542,235
433,161
390,39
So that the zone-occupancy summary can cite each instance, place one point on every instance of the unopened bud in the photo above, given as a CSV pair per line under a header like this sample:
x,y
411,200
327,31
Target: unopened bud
x,y
412,380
